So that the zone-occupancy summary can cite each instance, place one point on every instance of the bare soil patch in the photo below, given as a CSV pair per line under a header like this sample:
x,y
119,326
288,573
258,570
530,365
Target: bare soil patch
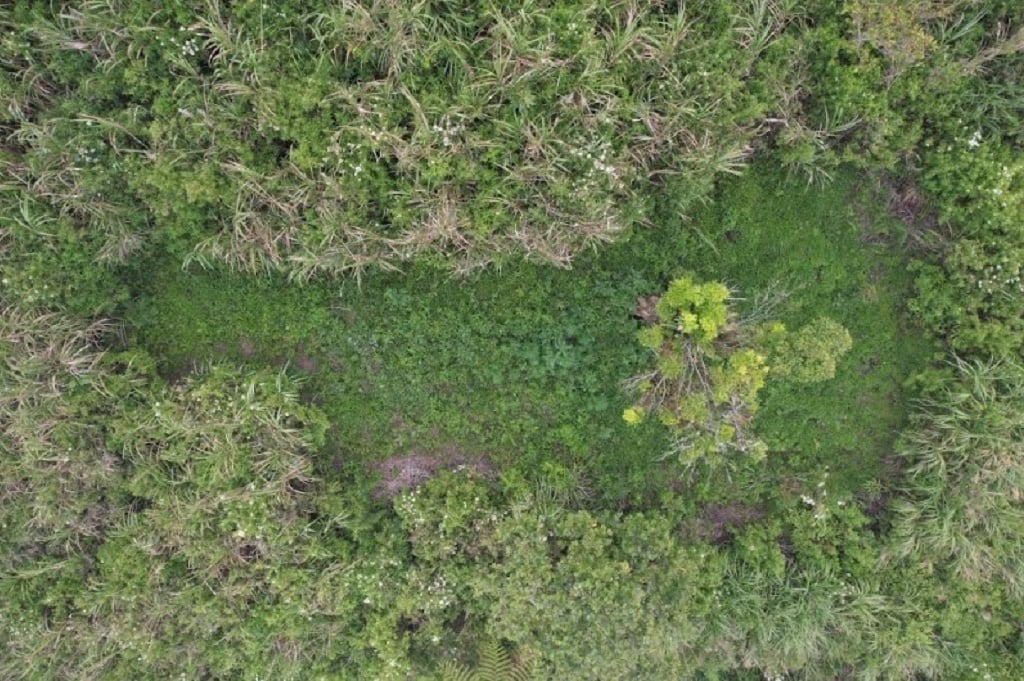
x,y
910,206
718,523
246,347
401,473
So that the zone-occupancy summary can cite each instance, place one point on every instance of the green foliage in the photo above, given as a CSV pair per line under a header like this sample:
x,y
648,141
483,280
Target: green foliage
x,y
958,522
447,518
286,476
692,309
494,664
808,355
707,376
972,297
189,512
59,483
595,596
704,390
457,560
818,622
899,32
422,365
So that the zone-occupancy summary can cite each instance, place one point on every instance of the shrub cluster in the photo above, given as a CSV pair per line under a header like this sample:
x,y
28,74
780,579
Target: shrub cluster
x,y
710,366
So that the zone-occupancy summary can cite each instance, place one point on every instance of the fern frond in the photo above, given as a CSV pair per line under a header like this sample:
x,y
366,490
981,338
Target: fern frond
x,y
494,663
456,672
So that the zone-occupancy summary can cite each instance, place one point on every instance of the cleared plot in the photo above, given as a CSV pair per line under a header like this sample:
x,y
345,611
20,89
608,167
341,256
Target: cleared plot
x,y
522,367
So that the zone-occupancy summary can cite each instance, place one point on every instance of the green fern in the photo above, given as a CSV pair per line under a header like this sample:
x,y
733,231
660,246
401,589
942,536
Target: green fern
x,y
494,663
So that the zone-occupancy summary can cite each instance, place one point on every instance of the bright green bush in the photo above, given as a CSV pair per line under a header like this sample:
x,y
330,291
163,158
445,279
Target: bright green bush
x,y
709,368
704,384
809,354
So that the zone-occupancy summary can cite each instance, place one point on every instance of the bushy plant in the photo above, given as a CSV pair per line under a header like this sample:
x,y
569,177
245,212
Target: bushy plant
x,y
594,596
710,367
972,296
704,384
809,354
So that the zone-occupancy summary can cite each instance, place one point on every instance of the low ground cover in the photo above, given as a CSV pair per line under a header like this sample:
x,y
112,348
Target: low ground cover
x,y
523,367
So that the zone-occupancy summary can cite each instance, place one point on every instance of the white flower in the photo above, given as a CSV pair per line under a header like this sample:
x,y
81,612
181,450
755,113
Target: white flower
x,y
975,140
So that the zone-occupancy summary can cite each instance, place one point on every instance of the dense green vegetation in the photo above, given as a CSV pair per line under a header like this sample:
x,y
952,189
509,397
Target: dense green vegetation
x,y
569,340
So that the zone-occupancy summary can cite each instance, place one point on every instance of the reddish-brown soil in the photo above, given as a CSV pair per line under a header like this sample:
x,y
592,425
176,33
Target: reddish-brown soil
x,y
401,473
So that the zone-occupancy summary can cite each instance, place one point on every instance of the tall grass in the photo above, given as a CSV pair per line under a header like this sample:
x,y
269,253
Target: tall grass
x,y
964,509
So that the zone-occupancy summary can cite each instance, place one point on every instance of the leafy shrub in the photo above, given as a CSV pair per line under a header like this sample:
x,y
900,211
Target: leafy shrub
x,y
704,385
595,596
60,485
808,355
899,32
710,366
972,297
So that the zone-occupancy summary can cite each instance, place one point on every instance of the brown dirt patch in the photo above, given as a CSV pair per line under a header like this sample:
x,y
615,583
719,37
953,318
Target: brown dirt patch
x,y
718,523
180,373
646,309
401,473
876,503
910,206
306,363
246,347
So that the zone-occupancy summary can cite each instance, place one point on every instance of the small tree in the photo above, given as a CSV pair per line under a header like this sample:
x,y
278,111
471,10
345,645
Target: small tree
x,y
704,383
709,368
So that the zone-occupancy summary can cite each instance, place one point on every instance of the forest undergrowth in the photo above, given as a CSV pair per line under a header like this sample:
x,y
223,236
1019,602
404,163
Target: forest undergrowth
x,y
590,339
